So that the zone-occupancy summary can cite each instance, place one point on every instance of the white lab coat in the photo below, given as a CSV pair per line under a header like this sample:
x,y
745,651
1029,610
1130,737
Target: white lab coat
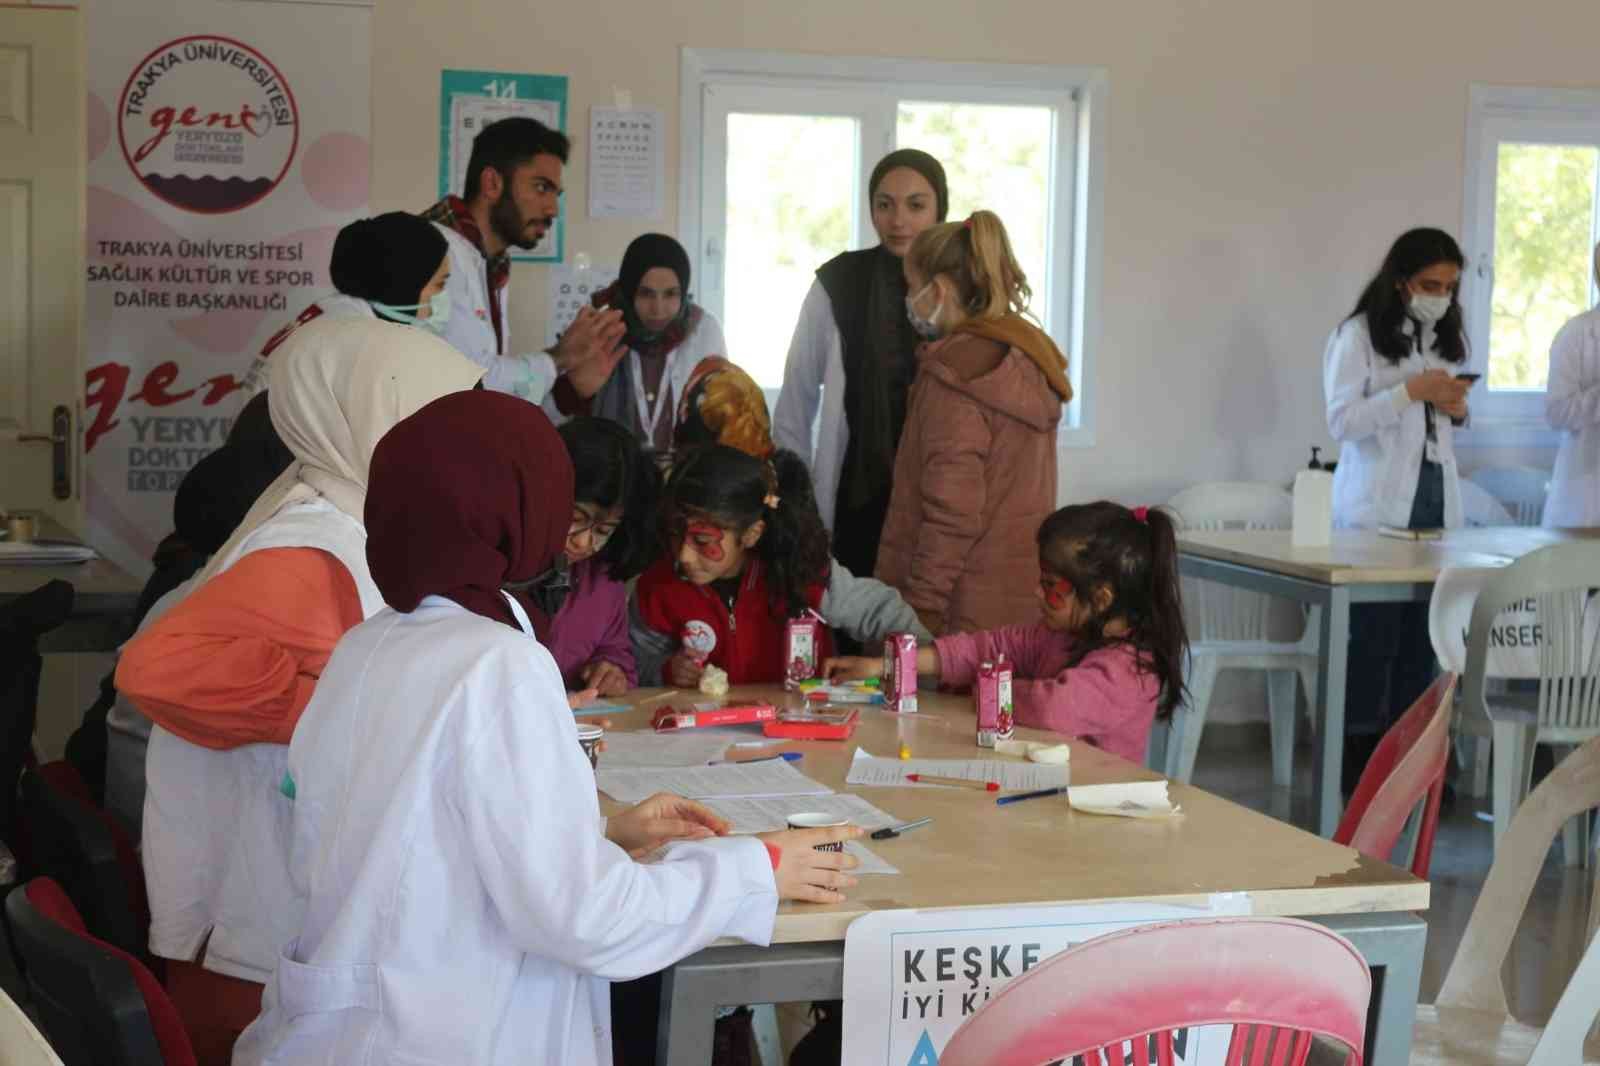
x,y
1383,431
216,826
813,379
1572,405
471,329
463,904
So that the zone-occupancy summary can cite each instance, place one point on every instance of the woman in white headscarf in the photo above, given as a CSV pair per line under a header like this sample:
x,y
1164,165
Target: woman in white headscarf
x,y
225,673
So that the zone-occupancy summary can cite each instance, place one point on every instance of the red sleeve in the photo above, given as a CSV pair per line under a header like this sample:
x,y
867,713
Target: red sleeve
x,y
236,662
653,598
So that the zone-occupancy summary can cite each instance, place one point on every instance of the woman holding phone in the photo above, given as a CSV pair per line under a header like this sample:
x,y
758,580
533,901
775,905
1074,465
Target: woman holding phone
x,y
1389,375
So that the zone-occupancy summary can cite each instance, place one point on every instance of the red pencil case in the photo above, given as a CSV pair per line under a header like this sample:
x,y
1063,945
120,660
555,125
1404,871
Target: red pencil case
x,y
832,724
669,718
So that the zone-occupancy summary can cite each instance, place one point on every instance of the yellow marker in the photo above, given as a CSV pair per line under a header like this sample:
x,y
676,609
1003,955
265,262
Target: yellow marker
x,y
905,751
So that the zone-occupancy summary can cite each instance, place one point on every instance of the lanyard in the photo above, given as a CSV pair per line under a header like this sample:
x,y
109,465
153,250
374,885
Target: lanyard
x,y
650,418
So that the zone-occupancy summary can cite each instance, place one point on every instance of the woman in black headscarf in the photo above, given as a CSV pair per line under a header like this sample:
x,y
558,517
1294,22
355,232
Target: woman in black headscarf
x,y
668,336
394,267
854,355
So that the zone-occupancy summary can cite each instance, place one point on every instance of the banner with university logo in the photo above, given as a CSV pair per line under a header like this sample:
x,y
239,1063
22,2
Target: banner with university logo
x,y
228,143
912,977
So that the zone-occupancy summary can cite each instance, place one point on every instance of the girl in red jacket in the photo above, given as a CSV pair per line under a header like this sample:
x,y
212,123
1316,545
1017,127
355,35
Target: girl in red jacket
x,y
747,552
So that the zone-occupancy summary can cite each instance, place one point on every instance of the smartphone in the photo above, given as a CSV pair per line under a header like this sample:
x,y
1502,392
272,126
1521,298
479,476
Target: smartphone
x,y
1468,378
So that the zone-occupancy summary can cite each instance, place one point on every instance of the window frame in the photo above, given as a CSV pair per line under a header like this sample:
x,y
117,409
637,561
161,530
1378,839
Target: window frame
x,y
1497,115
1073,285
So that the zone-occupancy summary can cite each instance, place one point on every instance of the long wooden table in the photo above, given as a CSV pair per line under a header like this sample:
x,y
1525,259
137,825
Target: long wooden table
x,y
976,854
1359,566
105,596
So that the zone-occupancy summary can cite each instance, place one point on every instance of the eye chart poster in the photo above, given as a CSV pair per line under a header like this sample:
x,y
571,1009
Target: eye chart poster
x,y
912,977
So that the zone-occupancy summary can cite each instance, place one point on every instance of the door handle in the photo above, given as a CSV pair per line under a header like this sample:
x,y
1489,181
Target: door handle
x,y
60,440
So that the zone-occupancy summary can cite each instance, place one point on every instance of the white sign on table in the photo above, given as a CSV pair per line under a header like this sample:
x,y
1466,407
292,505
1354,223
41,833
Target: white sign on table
x,y
1010,774
912,977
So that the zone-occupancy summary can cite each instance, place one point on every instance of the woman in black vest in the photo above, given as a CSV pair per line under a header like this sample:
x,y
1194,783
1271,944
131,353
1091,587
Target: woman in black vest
x,y
853,357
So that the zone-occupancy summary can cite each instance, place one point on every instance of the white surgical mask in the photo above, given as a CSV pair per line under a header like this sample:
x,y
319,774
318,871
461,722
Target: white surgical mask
x,y
1429,308
438,312
926,327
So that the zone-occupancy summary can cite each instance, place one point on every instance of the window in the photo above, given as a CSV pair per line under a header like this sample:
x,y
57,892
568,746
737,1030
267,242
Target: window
x,y
1533,217
777,150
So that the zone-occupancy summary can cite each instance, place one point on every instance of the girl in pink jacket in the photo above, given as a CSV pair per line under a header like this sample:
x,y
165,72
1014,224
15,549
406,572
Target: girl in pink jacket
x,y
1106,657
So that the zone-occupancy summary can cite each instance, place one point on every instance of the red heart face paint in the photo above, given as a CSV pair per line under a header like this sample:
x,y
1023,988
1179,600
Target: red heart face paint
x,y
1057,592
706,539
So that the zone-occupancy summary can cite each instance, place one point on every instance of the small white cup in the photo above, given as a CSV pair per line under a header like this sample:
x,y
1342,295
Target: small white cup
x,y
816,820
589,737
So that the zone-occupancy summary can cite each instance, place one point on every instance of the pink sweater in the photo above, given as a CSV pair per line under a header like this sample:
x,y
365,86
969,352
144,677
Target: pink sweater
x,y
1106,699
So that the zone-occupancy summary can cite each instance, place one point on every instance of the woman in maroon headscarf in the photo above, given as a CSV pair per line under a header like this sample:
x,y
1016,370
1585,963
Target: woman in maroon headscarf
x,y
455,855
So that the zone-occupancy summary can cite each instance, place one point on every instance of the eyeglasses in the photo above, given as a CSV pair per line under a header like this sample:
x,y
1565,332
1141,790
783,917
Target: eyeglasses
x,y
601,530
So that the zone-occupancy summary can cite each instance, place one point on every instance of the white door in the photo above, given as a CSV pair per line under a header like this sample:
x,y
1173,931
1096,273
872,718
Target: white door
x,y
42,150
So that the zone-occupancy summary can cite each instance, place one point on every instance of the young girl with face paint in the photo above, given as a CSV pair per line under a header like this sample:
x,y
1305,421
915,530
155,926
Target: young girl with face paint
x,y
1106,657
746,553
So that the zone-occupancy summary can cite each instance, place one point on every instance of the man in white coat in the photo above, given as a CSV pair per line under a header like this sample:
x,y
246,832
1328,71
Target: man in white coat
x,y
465,900
513,190
1572,405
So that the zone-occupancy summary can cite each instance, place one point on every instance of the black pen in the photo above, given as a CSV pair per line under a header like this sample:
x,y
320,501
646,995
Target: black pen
x,y
895,830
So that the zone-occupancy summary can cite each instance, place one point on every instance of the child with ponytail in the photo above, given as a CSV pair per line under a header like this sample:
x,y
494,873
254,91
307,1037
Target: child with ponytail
x,y
975,473
1106,658
746,552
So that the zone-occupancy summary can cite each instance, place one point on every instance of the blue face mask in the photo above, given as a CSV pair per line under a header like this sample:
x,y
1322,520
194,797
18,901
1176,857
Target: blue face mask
x,y
438,312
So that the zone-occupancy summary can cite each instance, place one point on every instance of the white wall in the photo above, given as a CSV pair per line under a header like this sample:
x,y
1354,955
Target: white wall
x,y
1263,153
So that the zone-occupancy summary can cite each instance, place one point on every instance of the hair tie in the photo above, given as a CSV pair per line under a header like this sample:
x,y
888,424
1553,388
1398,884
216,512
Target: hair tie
x,y
968,223
1141,515
770,502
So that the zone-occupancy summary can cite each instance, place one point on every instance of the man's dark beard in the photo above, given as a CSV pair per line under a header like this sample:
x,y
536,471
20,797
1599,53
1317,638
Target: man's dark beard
x,y
509,225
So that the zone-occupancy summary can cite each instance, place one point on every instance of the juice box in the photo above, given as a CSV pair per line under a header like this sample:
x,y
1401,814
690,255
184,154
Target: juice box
x,y
992,694
900,673
800,651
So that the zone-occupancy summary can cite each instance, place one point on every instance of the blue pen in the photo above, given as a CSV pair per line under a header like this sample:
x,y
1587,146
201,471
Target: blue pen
x,y
1003,800
786,756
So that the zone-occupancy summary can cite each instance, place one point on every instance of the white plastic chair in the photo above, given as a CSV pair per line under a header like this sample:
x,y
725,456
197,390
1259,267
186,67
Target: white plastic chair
x,y
1565,710
1521,488
1230,629
1470,1023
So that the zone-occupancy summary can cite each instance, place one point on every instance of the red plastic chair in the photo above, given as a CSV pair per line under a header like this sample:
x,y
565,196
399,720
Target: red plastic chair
x,y
1278,981
1406,768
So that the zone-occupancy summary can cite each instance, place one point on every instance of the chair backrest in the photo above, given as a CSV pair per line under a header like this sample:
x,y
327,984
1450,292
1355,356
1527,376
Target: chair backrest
x,y
78,846
1480,508
22,622
1278,981
21,1043
1521,488
1218,612
1405,770
1473,980
1559,579
98,1005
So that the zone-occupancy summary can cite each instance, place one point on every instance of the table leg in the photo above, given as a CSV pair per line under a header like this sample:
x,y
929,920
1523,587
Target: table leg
x,y
1328,759
692,991
1392,944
